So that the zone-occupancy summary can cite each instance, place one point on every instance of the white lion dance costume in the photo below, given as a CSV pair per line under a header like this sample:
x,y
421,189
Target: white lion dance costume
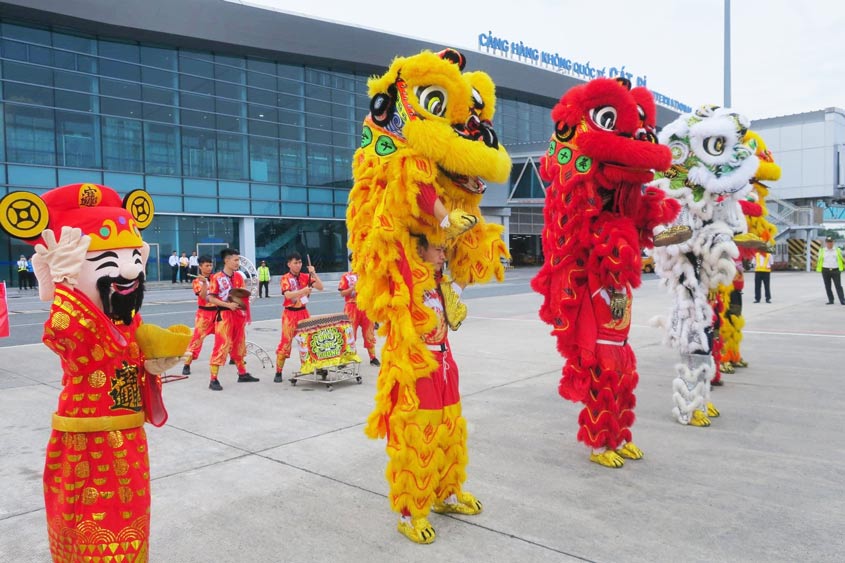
x,y
711,168
425,145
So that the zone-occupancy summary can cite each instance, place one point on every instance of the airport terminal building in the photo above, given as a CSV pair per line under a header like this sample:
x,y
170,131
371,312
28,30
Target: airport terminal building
x,y
240,121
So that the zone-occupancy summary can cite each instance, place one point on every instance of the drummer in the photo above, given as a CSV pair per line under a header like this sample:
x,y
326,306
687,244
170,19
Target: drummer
x,y
356,316
229,330
296,286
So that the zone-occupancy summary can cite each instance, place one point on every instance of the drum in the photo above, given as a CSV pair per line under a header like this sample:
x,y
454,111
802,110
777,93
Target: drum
x,y
325,341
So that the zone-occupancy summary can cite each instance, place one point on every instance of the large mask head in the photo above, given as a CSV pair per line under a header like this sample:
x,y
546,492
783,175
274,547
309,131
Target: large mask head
x,y
605,130
112,272
427,103
709,152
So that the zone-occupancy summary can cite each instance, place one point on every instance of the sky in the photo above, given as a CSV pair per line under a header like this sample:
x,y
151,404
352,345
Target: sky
x,y
787,56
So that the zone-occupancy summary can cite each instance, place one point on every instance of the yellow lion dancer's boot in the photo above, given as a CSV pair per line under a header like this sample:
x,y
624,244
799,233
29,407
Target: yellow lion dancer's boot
x,y
458,222
699,419
630,451
712,411
456,310
418,530
607,458
461,503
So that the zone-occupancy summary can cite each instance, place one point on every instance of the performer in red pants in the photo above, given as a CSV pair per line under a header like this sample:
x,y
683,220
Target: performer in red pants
x,y
358,318
296,286
206,313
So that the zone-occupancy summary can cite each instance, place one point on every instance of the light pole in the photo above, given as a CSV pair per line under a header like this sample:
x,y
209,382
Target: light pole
x,y
727,81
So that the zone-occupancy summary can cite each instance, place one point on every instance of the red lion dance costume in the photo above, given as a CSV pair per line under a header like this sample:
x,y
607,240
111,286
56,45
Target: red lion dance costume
x,y
425,145
96,475
597,219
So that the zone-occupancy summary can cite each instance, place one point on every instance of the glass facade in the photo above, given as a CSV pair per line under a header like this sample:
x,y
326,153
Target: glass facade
x,y
207,134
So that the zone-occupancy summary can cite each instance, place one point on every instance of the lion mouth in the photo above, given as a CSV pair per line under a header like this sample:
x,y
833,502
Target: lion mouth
x,y
477,130
472,184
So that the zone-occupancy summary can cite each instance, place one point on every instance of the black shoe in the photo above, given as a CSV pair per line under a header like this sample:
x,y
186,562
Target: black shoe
x,y
186,370
717,383
768,300
215,385
231,362
278,378
375,362
246,378
756,300
829,303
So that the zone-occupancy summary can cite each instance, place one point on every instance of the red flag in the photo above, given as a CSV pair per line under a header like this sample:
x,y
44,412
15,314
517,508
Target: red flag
x,y
4,312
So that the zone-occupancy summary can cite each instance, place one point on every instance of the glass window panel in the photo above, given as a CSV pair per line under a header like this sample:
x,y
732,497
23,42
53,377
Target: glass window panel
x,y
194,101
319,165
318,136
227,90
200,187
291,132
69,176
318,106
31,74
230,123
233,190
197,118
264,125
124,108
263,160
266,97
117,69
159,95
155,112
169,204
122,51
30,135
159,185
269,193
200,205
86,64
196,84
313,92
290,71
32,176
158,57
235,206
231,156
76,43
295,209
320,210
342,167
318,121
292,156
122,144
340,211
292,102
123,182
316,195
158,77
161,149
74,81
263,81
341,196
260,65
198,153
77,142
14,50
27,93
229,72
120,89
293,194
270,208
229,107
30,34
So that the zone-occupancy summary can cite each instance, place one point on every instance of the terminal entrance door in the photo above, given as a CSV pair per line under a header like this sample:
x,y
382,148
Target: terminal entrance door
x,y
153,272
212,249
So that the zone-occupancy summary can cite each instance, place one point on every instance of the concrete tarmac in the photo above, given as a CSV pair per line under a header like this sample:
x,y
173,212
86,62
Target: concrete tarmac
x,y
267,472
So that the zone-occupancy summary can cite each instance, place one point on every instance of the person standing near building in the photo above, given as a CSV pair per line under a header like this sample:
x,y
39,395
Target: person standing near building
x,y
263,279
183,267
296,286
30,274
23,274
831,264
229,337
206,313
356,316
174,265
193,265
762,275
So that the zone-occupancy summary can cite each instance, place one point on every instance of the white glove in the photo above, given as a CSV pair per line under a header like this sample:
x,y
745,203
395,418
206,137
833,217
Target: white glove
x,y
158,366
65,257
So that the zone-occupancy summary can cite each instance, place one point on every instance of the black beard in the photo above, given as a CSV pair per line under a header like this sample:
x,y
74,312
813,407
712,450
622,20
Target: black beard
x,y
119,307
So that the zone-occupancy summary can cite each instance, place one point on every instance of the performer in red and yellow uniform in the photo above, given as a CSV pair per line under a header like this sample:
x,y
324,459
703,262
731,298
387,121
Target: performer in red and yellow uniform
x,y
96,475
358,318
426,443
232,318
296,286
206,313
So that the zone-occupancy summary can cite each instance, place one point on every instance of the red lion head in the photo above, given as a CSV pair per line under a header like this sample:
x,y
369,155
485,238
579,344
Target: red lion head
x,y
605,130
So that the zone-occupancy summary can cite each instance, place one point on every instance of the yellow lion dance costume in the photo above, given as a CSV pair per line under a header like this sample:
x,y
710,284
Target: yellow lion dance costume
x,y
732,321
425,146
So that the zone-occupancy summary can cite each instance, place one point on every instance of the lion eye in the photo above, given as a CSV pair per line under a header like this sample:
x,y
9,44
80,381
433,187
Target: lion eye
x,y
641,113
715,145
604,117
433,99
477,100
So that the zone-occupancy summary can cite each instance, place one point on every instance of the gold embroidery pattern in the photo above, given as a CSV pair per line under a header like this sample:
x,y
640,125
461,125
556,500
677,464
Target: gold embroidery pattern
x,y
88,541
125,391
60,321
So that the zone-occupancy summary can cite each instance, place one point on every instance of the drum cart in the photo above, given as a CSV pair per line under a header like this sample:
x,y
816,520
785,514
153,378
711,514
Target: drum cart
x,y
326,341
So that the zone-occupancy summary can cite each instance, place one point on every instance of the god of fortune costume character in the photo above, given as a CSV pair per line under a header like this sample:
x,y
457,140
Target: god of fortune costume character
x,y
89,260
296,287
227,291
711,167
347,289
426,144
597,219
206,313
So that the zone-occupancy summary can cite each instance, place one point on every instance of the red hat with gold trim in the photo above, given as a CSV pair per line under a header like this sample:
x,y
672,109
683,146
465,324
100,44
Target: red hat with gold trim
x,y
97,210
